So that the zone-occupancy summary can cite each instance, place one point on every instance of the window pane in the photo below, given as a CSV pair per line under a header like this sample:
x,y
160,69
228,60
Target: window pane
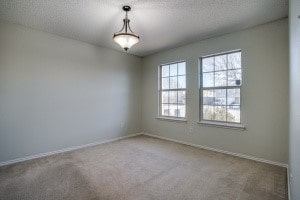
x,y
173,94
220,78
165,110
208,64
233,96
173,97
165,97
165,71
208,97
208,112
208,79
181,82
233,114
173,70
181,97
173,110
222,101
220,98
173,82
165,83
181,111
234,60
220,113
220,63
181,68
234,77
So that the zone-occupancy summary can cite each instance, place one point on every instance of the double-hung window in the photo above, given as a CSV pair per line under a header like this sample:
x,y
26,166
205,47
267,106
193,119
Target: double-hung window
x,y
220,88
172,90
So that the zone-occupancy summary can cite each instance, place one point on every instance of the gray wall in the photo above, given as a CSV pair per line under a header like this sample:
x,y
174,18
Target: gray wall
x,y
295,98
57,93
264,93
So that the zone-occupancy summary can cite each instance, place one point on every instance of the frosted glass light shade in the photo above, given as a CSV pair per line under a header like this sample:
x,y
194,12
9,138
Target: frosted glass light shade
x,y
126,40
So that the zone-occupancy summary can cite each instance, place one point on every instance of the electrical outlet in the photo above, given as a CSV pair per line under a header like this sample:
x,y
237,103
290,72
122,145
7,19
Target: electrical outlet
x,y
191,129
122,125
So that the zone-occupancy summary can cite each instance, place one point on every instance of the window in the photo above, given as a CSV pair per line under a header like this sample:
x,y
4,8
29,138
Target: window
x,y
220,88
172,90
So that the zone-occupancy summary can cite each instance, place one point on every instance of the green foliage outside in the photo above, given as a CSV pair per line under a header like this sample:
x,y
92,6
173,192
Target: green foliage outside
x,y
219,114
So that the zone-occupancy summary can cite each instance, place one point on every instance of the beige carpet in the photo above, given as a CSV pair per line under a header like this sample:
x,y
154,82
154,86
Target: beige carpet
x,y
142,168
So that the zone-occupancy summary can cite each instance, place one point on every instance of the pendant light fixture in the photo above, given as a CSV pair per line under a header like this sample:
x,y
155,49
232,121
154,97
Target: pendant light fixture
x,y
125,37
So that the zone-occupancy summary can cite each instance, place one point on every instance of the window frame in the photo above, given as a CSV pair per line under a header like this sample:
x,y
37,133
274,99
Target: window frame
x,y
160,90
218,123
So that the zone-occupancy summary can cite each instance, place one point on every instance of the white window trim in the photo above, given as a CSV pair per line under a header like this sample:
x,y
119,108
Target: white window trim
x,y
173,119
215,123
170,118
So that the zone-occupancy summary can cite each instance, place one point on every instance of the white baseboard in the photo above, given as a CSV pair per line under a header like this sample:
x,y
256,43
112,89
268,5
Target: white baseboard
x,y
9,162
218,150
142,133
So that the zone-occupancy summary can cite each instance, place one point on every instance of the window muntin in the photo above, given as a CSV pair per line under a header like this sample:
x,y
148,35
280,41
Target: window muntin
x,y
172,91
220,87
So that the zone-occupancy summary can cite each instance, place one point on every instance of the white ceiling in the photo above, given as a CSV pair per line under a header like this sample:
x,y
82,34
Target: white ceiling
x,y
161,24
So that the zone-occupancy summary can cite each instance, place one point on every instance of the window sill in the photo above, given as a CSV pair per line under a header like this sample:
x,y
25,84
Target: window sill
x,y
223,125
171,119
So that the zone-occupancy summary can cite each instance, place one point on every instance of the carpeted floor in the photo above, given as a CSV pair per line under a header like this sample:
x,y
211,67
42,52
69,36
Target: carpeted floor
x,y
141,168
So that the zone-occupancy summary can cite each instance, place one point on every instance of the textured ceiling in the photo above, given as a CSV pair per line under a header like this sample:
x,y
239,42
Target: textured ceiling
x,y
162,24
